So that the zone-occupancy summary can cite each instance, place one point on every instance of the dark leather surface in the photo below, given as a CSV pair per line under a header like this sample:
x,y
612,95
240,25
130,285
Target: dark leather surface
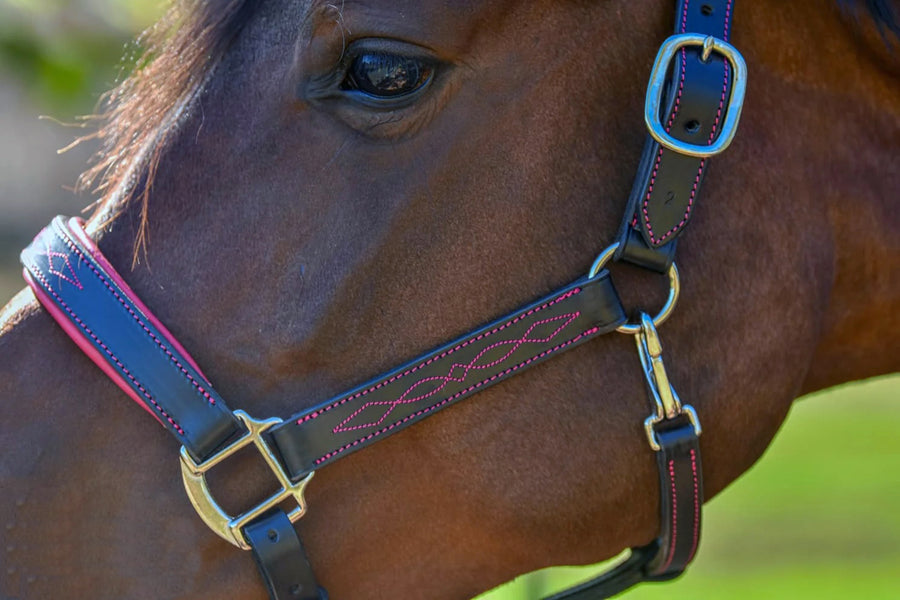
x,y
667,184
281,559
681,499
124,341
393,401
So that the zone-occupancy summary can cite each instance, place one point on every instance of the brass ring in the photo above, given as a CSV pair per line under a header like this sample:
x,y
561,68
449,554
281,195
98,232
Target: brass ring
x,y
664,313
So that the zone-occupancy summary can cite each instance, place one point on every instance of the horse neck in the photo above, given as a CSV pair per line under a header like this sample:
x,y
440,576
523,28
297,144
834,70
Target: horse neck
x,y
832,82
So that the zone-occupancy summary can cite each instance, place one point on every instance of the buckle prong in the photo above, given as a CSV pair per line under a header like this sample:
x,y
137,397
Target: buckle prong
x,y
224,525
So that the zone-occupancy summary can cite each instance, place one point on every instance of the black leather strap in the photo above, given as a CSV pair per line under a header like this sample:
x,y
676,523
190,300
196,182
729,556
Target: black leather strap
x,y
77,285
352,421
615,581
681,499
281,559
667,183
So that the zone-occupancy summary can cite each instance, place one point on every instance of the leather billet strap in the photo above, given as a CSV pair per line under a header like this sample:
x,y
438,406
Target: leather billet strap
x,y
681,499
281,559
569,317
98,310
667,183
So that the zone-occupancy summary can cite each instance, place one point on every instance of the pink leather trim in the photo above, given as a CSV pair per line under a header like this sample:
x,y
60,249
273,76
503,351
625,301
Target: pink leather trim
x,y
83,343
75,226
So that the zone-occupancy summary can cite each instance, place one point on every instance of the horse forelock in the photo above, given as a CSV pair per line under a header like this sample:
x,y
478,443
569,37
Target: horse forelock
x,y
179,53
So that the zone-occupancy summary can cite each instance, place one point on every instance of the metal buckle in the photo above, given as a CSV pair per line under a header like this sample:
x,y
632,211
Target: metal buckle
x,y
653,101
664,313
668,404
227,527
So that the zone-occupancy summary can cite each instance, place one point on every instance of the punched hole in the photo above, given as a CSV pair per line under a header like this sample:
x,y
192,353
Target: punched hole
x,y
706,10
692,126
296,589
273,535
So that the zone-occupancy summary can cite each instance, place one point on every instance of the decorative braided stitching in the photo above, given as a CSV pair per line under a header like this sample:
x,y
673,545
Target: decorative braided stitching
x,y
51,254
472,365
440,356
471,388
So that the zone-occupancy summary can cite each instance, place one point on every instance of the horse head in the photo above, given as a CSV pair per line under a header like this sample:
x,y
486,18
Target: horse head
x,y
308,193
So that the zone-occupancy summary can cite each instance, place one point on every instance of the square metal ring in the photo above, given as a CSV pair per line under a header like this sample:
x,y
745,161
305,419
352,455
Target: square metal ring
x,y
230,528
653,100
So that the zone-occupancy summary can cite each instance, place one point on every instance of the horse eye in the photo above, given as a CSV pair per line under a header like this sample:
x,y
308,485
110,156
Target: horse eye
x,y
387,76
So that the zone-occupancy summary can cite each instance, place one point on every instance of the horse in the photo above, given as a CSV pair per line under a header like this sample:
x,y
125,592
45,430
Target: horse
x,y
299,236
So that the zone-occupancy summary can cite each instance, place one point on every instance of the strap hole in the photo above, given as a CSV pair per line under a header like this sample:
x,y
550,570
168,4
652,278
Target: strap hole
x,y
296,589
692,126
273,535
706,10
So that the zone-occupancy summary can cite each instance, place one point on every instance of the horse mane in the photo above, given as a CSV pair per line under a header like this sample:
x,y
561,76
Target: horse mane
x,y
178,56
881,12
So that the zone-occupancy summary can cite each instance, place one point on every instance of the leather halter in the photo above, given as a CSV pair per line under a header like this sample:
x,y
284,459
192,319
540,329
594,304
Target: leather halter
x,y
692,108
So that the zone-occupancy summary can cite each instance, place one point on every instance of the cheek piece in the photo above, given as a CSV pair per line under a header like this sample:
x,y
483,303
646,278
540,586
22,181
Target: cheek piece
x,y
692,107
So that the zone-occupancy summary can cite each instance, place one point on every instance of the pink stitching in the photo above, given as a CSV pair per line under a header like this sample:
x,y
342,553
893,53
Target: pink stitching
x,y
379,385
467,368
674,518
715,127
50,254
696,506
669,124
72,246
512,369
727,20
690,204
109,353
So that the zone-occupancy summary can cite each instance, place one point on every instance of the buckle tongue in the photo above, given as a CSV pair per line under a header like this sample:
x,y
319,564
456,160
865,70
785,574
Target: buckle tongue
x,y
227,527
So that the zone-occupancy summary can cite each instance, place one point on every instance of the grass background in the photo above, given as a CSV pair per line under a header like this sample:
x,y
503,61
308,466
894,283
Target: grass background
x,y
816,519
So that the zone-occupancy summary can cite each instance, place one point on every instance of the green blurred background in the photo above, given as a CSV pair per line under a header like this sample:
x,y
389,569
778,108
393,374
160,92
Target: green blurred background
x,y
816,519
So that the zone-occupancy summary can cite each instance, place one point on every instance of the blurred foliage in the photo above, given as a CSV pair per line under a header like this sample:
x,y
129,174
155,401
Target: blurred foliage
x,y
65,53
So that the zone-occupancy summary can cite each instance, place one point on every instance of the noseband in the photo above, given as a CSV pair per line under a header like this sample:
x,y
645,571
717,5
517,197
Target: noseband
x,y
692,108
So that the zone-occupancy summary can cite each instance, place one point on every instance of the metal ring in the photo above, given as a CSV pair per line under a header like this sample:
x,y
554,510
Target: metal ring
x,y
664,313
